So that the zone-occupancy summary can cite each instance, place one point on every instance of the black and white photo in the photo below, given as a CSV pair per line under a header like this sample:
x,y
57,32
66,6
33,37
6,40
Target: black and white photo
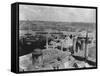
x,y
56,38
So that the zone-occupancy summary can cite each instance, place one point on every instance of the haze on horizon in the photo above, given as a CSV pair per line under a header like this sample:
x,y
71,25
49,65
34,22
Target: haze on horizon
x,y
58,14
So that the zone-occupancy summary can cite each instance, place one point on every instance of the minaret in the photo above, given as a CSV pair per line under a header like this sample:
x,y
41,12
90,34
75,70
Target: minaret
x,y
86,53
47,41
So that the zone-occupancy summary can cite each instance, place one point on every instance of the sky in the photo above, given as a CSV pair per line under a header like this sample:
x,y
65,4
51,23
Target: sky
x,y
58,14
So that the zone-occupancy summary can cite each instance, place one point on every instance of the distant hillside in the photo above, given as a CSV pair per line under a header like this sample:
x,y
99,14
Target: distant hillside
x,y
67,26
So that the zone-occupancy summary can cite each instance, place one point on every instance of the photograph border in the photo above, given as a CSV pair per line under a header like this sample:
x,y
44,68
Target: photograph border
x,y
52,5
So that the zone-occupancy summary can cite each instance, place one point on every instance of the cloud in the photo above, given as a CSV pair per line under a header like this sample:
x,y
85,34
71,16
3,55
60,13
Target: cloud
x,y
63,14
